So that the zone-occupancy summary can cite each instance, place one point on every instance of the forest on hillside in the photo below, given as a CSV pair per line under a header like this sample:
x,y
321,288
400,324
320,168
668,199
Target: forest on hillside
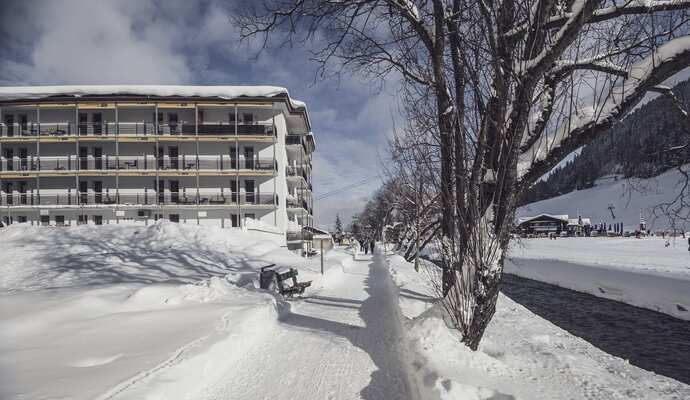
x,y
650,141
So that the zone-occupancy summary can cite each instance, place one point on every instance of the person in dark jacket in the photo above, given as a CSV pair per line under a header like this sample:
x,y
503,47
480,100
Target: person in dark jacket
x,y
371,245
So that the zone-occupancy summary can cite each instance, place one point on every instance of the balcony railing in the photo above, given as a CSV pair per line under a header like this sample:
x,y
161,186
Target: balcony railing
x,y
132,129
140,163
292,236
147,198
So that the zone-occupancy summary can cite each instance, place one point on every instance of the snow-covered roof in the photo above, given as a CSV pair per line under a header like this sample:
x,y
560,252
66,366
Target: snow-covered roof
x,y
563,218
574,221
223,92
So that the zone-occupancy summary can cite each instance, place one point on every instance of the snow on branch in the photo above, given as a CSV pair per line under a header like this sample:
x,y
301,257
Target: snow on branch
x,y
587,122
626,7
581,10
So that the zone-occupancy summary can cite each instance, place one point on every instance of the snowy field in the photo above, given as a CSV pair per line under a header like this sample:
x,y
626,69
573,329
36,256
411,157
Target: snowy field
x,y
522,356
173,311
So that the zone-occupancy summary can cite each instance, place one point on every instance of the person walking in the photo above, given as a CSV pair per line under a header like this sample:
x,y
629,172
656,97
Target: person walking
x,y
366,247
371,245
689,244
361,244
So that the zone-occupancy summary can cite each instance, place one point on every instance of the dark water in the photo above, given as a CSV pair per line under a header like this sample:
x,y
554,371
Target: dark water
x,y
650,340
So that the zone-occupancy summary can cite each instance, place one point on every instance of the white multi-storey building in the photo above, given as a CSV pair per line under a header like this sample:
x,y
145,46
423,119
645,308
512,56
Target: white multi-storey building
x,y
208,155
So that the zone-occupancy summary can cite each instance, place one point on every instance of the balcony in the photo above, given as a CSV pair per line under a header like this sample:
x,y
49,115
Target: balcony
x,y
148,198
59,129
298,203
296,139
295,171
134,163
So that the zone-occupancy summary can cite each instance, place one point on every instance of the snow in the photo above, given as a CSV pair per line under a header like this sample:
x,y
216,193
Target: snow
x,y
223,92
521,356
117,311
641,272
173,311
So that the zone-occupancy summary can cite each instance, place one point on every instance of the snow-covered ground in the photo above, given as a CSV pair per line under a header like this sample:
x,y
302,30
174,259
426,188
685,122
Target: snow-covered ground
x,y
521,356
173,311
643,272
114,311
594,202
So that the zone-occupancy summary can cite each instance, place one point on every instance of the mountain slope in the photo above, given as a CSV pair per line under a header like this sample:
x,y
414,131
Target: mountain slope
x,y
626,202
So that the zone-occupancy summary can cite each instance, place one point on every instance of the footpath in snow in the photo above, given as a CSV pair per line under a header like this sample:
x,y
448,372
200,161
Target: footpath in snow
x,y
342,342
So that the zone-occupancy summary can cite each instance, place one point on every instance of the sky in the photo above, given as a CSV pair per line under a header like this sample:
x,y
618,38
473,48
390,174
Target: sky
x,y
182,42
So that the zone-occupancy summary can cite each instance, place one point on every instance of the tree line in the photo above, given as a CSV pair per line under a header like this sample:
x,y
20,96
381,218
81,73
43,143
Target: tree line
x,y
649,141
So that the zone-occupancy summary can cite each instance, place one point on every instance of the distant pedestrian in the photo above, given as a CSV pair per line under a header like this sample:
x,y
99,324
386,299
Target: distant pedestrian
x,y
372,247
689,244
361,244
366,247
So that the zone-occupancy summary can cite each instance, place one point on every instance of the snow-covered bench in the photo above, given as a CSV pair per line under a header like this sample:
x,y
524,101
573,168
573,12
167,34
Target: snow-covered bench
x,y
270,277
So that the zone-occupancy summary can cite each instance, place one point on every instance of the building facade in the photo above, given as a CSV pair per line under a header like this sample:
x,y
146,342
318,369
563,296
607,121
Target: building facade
x,y
214,155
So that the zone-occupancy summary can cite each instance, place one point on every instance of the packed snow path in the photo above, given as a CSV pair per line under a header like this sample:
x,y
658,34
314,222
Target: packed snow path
x,y
342,342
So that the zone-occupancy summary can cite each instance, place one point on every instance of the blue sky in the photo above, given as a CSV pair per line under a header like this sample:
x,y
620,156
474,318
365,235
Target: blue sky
x,y
46,42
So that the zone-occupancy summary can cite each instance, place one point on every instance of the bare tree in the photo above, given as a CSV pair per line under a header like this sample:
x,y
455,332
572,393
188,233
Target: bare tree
x,y
514,85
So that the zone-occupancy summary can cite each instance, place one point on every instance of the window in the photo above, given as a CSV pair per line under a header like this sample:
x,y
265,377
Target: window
x,y
249,157
45,220
22,219
249,191
83,123
60,220
9,121
249,215
174,217
98,219
231,118
97,119
248,118
233,220
81,219
24,123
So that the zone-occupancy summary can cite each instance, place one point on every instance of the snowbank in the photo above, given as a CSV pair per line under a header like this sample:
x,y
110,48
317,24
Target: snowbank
x,y
522,356
123,311
641,272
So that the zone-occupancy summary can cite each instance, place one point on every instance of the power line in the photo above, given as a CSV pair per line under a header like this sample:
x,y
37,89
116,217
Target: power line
x,y
342,189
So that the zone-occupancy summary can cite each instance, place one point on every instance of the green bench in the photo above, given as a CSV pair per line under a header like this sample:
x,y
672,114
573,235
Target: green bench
x,y
270,277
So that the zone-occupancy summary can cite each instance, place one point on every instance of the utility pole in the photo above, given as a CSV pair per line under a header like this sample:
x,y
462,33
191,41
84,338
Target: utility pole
x,y
321,241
